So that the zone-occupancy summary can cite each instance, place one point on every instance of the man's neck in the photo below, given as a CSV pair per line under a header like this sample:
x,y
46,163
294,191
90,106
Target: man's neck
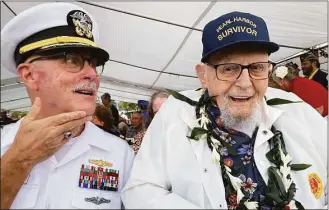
x,y
108,105
288,85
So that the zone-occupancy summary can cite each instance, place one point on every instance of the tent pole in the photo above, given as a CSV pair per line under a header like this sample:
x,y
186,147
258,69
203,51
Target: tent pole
x,y
318,47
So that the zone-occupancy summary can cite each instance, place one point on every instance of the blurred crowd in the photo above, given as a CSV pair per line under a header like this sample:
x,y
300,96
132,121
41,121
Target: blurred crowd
x,y
133,128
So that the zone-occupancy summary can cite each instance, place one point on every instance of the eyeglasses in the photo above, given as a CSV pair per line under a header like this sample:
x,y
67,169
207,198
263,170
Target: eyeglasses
x,y
232,71
75,62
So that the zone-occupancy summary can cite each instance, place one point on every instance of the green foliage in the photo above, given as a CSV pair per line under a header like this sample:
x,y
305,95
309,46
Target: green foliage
x,y
182,97
18,114
198,133
127,106
299,167
279,101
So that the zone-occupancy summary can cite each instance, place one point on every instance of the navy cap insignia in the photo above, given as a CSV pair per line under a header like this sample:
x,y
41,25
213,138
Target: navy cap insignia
x,y
97,200
82,23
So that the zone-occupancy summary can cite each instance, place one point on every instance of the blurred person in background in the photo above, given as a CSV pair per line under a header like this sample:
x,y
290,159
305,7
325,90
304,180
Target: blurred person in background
x,y
157,99
296,67
4,119
310,91
136,131
107,102
273,84
5,122
143,105
311,69
123,118
123,127
103,119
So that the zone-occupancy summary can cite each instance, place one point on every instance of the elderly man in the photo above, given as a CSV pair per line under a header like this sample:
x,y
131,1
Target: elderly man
x,y
310,67
54,157
225,147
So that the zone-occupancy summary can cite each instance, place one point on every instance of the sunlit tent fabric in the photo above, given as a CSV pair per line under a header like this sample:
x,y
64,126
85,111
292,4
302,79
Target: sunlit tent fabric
x,y
156,45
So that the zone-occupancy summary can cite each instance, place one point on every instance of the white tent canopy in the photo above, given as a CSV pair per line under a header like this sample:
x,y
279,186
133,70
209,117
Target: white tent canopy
x,y
156,45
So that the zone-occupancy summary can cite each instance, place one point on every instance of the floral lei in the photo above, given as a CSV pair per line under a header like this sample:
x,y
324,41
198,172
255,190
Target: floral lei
x,y
280,189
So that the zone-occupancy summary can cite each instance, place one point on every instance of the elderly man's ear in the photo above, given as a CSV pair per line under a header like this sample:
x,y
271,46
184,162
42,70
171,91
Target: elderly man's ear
x,y
26,74
200,71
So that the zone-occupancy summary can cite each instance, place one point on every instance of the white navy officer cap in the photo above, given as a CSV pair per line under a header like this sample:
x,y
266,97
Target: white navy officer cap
x,y
46,28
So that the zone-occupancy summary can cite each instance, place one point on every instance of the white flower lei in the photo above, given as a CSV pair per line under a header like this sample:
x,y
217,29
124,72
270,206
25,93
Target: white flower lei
x,y
277,155
236,182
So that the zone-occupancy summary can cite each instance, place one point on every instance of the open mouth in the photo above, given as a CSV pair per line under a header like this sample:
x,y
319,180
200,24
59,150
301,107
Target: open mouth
x,y
85,92
89,89
240,98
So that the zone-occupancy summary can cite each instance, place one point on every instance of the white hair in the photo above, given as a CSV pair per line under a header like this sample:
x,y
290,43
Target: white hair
x,y
241,123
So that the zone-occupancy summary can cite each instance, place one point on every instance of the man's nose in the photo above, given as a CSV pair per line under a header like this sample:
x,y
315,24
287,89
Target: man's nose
x,y
244,81
90,72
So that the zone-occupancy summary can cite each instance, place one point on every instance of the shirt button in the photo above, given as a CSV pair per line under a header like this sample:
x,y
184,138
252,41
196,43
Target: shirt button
x,y
205,170
264,132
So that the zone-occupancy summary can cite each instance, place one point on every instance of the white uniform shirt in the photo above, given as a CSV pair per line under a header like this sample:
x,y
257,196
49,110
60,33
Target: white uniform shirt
x,y
170,171
55,184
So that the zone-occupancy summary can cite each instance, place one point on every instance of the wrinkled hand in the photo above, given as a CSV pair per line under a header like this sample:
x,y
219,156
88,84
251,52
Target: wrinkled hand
x,y
38,139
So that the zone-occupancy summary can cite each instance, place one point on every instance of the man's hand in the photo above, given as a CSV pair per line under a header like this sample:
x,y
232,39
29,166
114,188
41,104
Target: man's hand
x,y
35,141
38,139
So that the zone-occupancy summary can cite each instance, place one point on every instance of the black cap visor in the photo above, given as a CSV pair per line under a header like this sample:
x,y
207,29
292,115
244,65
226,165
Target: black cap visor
x,y
270,46
94,52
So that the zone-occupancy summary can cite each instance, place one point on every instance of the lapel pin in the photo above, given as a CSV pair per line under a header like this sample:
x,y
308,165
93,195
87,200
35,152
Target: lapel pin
x,y
100,163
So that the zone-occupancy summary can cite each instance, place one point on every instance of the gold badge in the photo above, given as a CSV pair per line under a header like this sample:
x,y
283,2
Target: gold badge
x,y
100,163
316,185
82,23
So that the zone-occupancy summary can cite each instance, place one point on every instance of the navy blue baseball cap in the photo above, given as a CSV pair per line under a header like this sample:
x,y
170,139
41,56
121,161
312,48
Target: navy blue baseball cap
x,y
235,28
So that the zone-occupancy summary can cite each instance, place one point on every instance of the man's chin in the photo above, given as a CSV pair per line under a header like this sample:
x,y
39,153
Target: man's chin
x,y
305,73
88,109
240,114
237,116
